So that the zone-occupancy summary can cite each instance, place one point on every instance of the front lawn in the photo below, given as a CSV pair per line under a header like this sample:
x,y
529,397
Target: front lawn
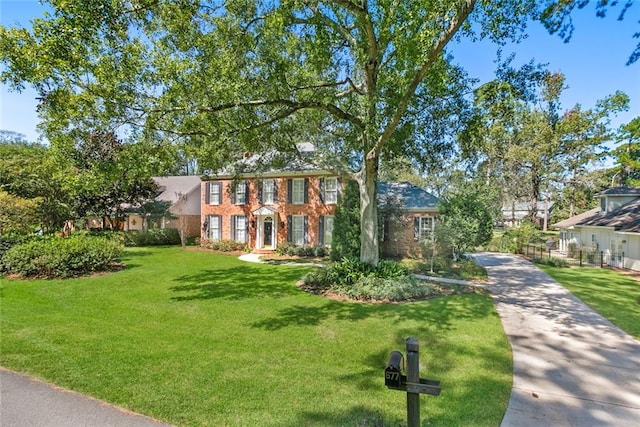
x,y
612,294
196,338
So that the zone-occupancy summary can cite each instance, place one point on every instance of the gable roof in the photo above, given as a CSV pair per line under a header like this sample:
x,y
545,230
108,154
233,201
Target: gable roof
x,y
577,219
626,218
171,188
408,195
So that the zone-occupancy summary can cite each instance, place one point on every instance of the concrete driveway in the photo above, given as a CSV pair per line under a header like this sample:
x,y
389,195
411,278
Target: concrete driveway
x,y
572,367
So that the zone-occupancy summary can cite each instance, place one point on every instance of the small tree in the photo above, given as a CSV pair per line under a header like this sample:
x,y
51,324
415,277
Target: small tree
x,y
465,222
345,241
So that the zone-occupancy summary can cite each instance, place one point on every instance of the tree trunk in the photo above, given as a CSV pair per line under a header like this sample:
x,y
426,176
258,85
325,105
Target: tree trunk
x,y
369,246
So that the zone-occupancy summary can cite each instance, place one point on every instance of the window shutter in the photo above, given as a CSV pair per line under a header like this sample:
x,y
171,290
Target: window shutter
x,y
416,228
233,195
207,193
233,227
306,190
321,231
246,194
260,185
275,191
246,229
289,228
321,190
339,188
306,229
219,227
289,191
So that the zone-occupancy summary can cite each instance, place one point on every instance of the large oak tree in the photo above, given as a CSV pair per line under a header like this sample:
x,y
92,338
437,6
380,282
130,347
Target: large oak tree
x,y
360,79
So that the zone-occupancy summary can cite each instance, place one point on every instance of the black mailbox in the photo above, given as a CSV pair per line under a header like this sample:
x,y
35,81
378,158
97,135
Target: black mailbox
x,y
393,371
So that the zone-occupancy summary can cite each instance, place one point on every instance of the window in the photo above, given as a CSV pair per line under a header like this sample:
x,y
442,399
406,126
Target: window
x,y
239,228
330,190
240,193
424,228
215,228
297,191
268,192
603,204
298,230
327,230
214,193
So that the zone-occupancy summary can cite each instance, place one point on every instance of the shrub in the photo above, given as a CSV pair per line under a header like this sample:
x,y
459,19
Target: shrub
x,y
62,257
224,245
153,237
552,261
389,289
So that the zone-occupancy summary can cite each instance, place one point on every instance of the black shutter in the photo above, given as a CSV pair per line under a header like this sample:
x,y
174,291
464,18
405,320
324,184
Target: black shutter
x,y
416,228
306,229
207,197
306,190
289,191
339,188
289,226
246,229
233,194
233,227
321,190
275,191
219,227
246,194
321,231
260,185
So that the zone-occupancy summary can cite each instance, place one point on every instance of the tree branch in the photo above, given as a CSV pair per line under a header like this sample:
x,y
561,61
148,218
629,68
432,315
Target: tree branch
x,y
454,25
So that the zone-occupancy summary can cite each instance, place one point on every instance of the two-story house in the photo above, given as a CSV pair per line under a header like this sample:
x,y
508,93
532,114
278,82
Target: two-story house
x,y
270,208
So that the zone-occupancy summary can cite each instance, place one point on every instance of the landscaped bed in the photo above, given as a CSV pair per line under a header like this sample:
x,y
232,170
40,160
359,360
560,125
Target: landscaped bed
x,y
196,338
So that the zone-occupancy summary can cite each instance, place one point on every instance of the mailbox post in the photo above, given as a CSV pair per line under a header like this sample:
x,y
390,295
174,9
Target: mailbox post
x,y
411,383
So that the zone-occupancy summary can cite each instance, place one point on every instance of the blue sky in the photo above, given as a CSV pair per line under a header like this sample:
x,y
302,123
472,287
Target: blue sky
x,y
593,62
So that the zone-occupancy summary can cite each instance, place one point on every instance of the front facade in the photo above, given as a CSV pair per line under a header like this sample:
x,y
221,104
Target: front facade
x,y
267,210
611,231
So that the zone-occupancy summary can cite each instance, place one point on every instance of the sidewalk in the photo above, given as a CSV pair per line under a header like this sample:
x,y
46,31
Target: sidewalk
x,y
572,367
25,401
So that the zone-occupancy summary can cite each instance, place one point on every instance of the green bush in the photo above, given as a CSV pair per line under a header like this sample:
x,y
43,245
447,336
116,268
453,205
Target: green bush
x,y
552,261
56,257
289,249
389,281
152,237
224,245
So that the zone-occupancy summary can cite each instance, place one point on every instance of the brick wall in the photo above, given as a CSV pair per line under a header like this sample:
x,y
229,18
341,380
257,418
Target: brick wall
x,y
400,240
313,209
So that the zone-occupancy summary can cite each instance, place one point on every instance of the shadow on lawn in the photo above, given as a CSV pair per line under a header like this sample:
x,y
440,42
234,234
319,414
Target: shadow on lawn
x,y
437,313
237,283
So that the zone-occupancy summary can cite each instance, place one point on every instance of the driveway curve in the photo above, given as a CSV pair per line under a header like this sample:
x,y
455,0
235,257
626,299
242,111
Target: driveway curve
x,y
572,367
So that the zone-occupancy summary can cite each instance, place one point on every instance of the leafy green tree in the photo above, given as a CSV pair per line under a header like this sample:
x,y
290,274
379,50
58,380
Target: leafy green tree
x,y
345,240
18,215
465,222
627,154
362,80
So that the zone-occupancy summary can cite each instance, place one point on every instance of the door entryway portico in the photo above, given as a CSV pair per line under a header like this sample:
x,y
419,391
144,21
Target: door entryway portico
x,y
266,231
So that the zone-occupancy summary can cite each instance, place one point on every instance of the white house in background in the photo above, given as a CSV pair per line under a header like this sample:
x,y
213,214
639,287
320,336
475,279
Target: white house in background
x,y
612,229
515,212
182,194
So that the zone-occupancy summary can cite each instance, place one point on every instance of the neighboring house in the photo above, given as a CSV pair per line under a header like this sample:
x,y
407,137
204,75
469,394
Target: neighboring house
x,y
515,212
297,205
181,194
613,229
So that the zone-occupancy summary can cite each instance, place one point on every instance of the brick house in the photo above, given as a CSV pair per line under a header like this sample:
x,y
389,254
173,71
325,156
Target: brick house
x,y
298,206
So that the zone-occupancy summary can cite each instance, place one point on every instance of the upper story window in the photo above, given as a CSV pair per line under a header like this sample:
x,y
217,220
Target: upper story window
x,y
240,193
214,193
603,204
329,188
298,193
268,192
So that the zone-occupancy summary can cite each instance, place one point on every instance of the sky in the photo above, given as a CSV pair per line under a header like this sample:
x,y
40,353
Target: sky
x,y
593,62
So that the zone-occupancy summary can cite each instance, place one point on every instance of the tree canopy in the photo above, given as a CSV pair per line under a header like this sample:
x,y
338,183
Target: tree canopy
x,y
361,80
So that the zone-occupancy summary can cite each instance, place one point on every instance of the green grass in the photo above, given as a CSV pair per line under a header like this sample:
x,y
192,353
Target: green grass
x,y
613,295
195,338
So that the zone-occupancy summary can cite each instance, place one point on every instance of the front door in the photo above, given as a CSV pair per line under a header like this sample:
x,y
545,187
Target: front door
x,y
268,232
